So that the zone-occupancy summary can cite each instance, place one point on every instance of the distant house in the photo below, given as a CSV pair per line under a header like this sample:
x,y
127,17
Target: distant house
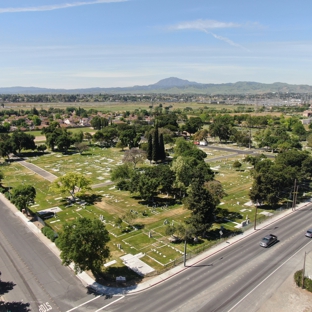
x,y
307,113
306,121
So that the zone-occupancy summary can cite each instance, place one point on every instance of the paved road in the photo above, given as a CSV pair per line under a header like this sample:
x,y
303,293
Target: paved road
x,y
45,174
51,177
34,277
240,278
234,152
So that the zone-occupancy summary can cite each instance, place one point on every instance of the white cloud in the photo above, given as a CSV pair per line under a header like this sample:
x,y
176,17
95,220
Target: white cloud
x,y
206,26
227,40
203,24
55,7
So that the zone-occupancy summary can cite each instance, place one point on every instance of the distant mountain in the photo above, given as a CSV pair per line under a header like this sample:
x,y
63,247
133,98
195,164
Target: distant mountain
x,y
174,85
174,82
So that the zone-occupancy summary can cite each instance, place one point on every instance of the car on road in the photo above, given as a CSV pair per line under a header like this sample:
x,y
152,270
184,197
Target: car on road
x,y
308,233
268,240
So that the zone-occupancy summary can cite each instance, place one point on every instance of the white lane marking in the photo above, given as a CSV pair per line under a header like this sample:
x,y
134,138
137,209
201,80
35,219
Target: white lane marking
x,y
267,277
100,309
83,304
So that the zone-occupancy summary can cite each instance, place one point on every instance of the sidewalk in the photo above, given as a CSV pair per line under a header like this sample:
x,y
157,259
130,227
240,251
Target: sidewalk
x,y
86,280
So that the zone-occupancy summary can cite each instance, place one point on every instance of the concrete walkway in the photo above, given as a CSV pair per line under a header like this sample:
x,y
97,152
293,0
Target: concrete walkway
x,y
88,281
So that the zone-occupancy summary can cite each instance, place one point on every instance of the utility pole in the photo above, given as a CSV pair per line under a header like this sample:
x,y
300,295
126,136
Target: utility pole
x,y
303,270
295,192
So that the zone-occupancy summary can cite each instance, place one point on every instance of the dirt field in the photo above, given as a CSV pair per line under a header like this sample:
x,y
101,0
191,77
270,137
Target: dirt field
x,y
289,298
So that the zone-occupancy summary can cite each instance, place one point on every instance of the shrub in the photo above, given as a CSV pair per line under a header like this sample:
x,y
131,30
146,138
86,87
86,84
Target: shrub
x,y
307,283
49,233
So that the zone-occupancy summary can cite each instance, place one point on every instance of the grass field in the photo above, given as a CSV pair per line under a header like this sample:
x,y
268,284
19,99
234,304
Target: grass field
x,y
124,106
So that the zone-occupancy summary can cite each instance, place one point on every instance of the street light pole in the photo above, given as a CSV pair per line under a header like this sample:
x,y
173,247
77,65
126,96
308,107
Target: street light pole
x,y
184,258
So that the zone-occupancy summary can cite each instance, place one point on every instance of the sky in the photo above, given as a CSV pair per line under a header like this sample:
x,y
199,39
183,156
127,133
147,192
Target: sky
x,y
121,43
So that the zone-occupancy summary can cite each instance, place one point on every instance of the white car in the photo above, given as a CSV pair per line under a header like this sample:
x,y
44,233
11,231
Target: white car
x,y
308,233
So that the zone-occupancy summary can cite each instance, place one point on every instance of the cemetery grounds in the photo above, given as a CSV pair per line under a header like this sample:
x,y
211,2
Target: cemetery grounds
x,y
148,238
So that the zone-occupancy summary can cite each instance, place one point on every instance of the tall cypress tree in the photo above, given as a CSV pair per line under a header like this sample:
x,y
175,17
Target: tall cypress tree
x,y
150,147
155,153
162,153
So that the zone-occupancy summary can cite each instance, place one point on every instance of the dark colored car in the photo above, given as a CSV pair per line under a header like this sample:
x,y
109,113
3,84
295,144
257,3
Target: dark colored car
x,y
268,240
308,233
45,214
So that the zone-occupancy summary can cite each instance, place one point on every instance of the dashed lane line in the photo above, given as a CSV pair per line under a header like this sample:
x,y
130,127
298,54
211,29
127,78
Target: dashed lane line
x,y
268,277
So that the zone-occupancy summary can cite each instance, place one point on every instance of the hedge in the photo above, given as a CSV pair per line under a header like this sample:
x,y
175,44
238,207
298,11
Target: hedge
x,y
49,233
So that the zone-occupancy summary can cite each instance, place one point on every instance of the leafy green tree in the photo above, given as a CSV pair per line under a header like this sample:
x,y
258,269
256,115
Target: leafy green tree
x,y
22,196
296,160
21,140
6,145
1,177
99,123
221,127
237,164
253,160
52,132
88,136
127,137
201,135
193,125
165,176
121,144
170,230
110,135
84,242
41,148
63,141
147,187
72,183
202,206
299,130
168,121
183,174
188,168
122,172
182,147
216,190
36,121
77,137
81,147
272,181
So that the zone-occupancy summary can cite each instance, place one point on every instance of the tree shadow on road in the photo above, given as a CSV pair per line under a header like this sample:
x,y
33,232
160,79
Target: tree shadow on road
x,y
5,287
14,306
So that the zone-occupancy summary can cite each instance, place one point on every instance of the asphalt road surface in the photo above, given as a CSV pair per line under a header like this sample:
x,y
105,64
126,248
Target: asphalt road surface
x,y
34,278
253,152
240,278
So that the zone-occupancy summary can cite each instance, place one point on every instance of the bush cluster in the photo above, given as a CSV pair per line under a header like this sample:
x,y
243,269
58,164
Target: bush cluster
x,y
307,283
49,233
